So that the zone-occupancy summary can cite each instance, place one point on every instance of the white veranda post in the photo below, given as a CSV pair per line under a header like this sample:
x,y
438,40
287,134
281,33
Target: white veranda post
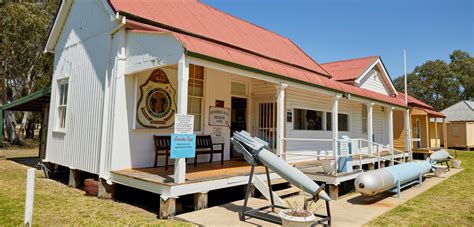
x,y
370,131
183,77
390,127
280,117
408,132
334,124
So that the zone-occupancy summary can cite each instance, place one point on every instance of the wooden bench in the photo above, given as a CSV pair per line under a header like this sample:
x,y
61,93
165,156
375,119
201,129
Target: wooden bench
x,y
204,145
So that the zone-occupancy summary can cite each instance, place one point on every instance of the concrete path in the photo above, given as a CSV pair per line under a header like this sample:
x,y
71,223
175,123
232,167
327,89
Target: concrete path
x,y
352,210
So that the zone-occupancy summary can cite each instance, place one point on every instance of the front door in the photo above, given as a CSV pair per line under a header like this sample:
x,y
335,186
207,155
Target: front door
x,y
416,131
238,120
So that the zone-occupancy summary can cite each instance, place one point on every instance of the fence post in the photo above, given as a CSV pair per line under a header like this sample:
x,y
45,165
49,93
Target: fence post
x,y
360,153
30,192
378,155
336,150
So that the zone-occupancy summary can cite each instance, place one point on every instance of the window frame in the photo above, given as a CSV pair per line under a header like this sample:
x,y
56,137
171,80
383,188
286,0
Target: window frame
x,y
58,128
323,119
201,114
338,125
364,119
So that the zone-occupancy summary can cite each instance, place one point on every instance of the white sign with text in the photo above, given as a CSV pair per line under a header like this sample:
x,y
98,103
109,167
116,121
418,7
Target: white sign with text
x,y
184,124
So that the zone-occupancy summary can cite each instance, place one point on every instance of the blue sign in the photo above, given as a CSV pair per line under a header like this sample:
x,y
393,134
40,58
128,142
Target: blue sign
x,y
183,145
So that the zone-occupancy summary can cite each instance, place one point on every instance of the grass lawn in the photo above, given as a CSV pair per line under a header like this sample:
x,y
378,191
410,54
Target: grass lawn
x,y
57,204
450,203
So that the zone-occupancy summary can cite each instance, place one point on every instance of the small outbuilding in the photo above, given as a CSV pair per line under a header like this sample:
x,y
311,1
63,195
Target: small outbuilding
x,y
461,124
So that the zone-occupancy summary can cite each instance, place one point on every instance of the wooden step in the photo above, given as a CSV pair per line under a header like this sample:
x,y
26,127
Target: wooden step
x,y
288,191
278,181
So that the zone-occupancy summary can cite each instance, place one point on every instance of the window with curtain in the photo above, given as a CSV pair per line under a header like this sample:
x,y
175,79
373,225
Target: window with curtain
x,y
196,94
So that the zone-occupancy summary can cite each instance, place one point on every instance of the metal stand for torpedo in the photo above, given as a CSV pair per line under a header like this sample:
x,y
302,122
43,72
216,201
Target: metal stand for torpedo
x,y
259,212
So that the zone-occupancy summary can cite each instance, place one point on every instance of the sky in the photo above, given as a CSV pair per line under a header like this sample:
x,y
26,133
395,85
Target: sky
x,y
331,30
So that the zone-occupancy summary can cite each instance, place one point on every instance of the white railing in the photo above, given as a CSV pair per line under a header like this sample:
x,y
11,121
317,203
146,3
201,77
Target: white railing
x,y
353,143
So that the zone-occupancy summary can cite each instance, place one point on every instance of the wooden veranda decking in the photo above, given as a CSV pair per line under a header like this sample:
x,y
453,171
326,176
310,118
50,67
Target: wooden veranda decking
x,y
212,176
202,172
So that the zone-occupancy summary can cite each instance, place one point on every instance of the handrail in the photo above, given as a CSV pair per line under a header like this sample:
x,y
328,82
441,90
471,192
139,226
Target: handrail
x,y
307,139
357,142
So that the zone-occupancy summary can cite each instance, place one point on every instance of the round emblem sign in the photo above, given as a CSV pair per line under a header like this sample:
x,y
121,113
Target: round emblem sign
x,y
158,102
156,107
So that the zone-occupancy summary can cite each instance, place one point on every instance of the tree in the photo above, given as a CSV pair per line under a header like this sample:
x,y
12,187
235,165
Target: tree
x,y
440,84
24,67
462,66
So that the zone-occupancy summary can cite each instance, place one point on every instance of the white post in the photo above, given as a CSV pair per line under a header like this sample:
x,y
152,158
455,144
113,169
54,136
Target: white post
x,y
30,193
335,125
390,127
370,131
408,133
183,78
280,118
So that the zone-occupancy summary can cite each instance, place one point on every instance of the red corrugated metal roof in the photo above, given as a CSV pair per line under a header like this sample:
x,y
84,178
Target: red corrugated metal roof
x,y
235,56
348,69
415,102
200,19
434,113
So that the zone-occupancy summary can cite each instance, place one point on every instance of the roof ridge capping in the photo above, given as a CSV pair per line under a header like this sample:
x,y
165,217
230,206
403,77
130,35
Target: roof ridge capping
x,y
470,104
352,59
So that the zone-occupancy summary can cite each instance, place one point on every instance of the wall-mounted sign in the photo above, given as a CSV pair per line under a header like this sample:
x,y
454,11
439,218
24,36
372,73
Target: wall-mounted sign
x,y
183,146
219,116
218,134
289,116
220,103
184,124
156,107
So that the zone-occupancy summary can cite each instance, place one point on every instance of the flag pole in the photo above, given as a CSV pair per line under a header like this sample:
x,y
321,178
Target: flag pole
x,y
405,70
407,114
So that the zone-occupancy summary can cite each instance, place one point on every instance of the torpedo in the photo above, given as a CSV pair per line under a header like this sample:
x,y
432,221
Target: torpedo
x,y
398,176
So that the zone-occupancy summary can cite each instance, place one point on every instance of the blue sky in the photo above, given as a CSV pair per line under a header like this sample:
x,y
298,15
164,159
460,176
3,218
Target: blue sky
x,y
331,30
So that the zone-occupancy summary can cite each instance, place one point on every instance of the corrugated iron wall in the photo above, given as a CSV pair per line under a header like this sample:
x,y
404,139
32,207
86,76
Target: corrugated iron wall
x,y
81,54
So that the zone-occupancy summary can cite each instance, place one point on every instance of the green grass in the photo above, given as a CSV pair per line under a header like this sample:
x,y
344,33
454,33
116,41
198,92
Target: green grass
x,y
57,204
450,203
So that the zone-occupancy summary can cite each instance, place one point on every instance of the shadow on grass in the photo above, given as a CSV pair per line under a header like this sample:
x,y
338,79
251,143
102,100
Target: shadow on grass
x,y
27,161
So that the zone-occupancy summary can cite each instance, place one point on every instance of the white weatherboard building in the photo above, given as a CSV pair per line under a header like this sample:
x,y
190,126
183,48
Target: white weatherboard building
x,y
122,69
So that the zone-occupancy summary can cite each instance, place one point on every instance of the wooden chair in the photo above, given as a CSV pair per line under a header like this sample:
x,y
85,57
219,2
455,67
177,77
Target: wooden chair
x,y
204,145
162,148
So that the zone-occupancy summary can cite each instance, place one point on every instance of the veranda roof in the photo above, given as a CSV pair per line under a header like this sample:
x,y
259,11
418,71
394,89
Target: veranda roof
x,y
33,102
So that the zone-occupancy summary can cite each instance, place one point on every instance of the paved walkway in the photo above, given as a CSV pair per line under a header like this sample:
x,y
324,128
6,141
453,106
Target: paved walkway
x,y
352,210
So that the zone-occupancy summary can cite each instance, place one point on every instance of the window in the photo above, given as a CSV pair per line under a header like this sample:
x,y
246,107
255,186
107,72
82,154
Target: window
x,y
62,103
238,89
307,120
196,94
342,122
364,118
